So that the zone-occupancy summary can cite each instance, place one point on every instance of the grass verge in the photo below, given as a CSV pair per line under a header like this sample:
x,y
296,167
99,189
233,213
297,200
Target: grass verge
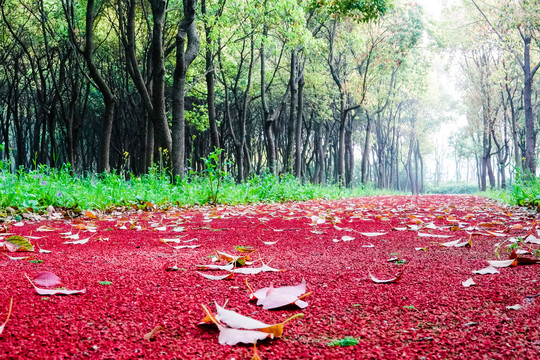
x,y
36,190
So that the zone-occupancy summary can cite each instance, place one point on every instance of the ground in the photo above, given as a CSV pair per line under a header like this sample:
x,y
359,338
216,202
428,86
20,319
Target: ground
x,y
426,313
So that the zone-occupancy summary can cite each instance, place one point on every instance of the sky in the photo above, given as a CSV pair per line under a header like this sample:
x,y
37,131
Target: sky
x,y
445,79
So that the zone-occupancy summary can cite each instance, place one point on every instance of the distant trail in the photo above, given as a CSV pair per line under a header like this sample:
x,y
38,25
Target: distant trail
x,y
333,245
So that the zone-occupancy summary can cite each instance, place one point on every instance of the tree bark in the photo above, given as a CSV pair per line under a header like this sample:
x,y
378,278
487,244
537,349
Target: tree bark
x,y
162,134
108,95
184,58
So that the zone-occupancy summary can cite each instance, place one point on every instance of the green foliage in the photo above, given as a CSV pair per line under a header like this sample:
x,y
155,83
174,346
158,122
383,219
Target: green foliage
x,y
214,173
36,190
359,10
525,191
453,188
346,341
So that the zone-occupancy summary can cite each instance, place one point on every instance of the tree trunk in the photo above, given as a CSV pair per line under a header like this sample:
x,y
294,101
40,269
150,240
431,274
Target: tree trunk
x,y
162,134
108,96
365,152
298,136
184,58
210,81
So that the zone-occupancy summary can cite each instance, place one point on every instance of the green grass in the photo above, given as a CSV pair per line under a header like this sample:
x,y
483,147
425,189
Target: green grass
x,y
452,188
36,190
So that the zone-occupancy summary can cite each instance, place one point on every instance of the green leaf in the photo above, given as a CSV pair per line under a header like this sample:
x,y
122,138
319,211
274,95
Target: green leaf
x,y
245,249
36,261
346,341
18,243
105,283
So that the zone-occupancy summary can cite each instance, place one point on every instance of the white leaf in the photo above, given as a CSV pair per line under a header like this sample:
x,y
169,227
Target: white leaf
x,y
80,242
230,336
176,241
214,277
501,263
380,281
347,238
488,270
186,247
514,307
238,321
227,267
296,291
71,236
372,233
468,283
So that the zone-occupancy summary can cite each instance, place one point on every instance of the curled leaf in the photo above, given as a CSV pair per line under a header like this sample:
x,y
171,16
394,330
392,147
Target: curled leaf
x,y
396,278
152,334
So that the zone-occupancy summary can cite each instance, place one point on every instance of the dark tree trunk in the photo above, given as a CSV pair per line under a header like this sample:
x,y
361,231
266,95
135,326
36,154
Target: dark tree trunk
x,y
162,134
184,58
210,80
108,96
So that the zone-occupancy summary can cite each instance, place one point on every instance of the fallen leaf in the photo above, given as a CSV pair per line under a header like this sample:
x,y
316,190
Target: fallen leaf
x,y
457,243
47,279
152,334
227,267
90,214
514,307
235,328
41,291
434,235
215,277
186,247
396,278
485,271
177,241
7,318
244,249
468,283
18,243
45,228
77,242
254,271
15,258
493,233
373,233
502,263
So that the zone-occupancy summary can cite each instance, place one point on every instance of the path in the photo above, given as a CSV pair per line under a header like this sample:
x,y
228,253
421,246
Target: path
x,y
427,313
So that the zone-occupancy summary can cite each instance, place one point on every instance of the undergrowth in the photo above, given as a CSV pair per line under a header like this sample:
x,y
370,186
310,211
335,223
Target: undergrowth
x,y
524,191
36,190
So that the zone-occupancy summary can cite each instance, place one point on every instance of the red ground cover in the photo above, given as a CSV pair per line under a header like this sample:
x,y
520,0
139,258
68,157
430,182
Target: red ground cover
x,y
427,314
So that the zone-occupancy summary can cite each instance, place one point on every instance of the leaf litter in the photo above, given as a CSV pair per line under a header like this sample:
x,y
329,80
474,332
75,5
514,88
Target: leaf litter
x,y
135,262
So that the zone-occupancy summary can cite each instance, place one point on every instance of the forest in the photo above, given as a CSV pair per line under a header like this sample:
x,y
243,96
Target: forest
x,y
328,91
